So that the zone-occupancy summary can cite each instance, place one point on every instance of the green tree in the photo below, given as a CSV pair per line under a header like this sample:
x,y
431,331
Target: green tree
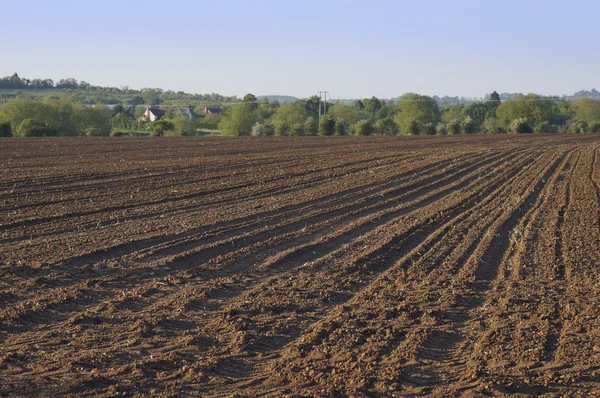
x,y
311,126
480,111
250,98
453,112
578,126
312,105
386,126
440,129
341,127
210,121
182,126
297,129
372,106
469,126
160,127
492,126
327,125
594,127
495,99
264,129
428,129
363,127
415,108
348,113
534,108
454,126
413,127
587,109
151,97
17,110
92,121
139,111
266,109
282,128
34,128
288,115
238,120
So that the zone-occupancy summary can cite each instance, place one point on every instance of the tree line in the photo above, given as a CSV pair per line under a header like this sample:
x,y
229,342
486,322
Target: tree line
x,y
81,91
414,114
65,117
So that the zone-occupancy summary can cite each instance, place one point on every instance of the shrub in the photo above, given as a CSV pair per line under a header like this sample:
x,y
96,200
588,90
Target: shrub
x,y
594,127
469,126
159,127
492,126
34,128
263,129
5,129
311,126
413,127
441,129
115,133
453,126
521,126
578,127
542,127
386,126
341,127
282,129
429,128
297,129
326,125
363,127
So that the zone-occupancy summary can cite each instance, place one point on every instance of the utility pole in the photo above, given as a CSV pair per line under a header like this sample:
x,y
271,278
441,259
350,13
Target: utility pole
x,y
323,95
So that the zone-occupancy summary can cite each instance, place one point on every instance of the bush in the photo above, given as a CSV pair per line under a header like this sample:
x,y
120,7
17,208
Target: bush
x,y
311,126
578,127
116,133
429,128
326,125
453,126
386,126
297,129
5,129
341,127
282,129
542,127
34,128
263,129
363,127
441,129
521,126
159,127
492,126
413,127
469,126
594,127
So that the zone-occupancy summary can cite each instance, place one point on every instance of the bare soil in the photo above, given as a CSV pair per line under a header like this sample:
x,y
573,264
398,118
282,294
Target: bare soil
x,y
309,266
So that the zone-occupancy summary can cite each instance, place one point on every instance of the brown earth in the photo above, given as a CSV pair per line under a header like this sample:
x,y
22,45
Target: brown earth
x,y
450,266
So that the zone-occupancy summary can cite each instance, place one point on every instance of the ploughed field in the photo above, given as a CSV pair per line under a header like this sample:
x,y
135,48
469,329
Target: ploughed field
x,y
304,267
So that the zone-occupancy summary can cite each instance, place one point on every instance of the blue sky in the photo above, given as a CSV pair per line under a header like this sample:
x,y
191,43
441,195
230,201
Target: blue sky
x,y
350,48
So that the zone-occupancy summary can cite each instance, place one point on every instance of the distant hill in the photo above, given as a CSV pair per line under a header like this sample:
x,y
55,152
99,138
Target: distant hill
x,y
282,99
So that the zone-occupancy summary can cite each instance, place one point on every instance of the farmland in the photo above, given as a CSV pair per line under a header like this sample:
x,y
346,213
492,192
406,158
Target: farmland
x,y
310,266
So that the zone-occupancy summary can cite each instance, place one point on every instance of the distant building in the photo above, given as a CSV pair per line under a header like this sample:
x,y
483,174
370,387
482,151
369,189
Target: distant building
x,y
153,114
209,111
188,111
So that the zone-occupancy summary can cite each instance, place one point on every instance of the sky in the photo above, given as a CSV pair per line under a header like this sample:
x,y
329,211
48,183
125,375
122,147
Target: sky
x,y
352,49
